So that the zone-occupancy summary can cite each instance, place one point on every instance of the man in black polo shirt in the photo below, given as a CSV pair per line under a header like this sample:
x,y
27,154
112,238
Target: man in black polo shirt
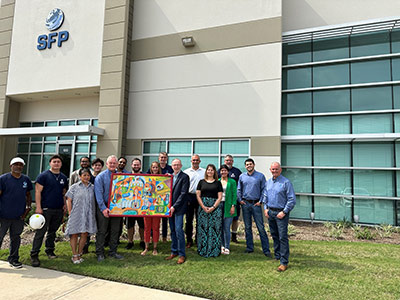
x,y
15,203
51,186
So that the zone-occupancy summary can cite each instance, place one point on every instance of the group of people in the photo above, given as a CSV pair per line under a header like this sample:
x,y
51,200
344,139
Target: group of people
x,y
212,197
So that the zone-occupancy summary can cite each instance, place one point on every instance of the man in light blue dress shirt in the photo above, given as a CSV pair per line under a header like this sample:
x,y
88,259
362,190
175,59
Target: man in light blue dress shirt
x,y
250,187
279,199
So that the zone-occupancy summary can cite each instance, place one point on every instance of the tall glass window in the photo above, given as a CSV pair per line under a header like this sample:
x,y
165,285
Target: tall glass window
x,y
349,94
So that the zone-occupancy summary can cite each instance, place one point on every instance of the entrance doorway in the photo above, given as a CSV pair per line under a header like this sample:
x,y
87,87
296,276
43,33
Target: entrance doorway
x,y
65,151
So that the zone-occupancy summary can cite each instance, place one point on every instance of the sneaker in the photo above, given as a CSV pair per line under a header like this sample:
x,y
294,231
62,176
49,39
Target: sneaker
x,y
248,251
51,255
223,250
226,252
116,256
268,255
35,261
75,259
15,264
129,246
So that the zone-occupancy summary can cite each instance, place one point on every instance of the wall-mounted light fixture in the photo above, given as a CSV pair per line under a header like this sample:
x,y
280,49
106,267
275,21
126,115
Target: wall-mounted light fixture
x,y
188,41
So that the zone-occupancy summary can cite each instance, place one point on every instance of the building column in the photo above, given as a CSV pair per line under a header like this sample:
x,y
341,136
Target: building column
x,y
6,25
114,80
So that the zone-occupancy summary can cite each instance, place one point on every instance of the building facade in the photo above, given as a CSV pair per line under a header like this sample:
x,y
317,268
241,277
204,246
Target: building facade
x,y
308,83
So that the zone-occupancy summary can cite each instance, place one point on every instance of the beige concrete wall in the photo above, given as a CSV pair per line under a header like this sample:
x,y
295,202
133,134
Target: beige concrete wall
x,y
302,14
76,64
227,86
160,17
230,93
60,109
244,34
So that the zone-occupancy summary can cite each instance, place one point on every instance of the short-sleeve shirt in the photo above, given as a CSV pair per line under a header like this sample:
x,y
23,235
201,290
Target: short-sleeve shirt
x,y
209,189
13,195
53,186
167,170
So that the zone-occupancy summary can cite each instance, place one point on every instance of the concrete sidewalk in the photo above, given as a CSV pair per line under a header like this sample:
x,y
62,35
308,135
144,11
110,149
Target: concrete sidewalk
x,y
38,283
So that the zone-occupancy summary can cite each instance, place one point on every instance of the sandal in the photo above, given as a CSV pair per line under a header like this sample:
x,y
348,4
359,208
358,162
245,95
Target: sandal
x,y
155,252
80,257
144,252
75,259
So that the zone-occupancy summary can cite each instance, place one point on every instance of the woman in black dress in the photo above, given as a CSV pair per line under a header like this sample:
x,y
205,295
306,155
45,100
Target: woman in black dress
x,y
209,229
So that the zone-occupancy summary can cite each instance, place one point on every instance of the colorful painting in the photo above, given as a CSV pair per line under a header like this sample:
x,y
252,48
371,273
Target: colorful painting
x,y
133,195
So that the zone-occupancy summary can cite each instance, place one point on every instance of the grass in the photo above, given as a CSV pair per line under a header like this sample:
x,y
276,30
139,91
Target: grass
x,y
318,270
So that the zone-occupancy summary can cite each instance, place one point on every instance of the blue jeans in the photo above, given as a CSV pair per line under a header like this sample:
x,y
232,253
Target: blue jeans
x,y
250,210
279,233
226,228
177,235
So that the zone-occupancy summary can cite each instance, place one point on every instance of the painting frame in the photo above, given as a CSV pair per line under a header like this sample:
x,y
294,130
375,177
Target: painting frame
x,y
140,195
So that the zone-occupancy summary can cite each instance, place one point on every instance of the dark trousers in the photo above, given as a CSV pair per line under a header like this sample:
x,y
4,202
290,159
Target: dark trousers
x,y
191,212
15,227
102,228
164,227
53,219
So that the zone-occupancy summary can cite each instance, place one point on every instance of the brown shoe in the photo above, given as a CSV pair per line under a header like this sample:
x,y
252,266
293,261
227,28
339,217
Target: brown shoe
x,y
189,245
171,256
282,268
181,260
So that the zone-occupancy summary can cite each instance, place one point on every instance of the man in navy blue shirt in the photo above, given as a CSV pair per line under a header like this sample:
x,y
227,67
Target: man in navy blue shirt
x,y
234,173
15,203
279,199
50,188
250,187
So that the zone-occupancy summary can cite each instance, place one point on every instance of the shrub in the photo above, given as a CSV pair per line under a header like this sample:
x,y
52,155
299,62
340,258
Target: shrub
x,y
334,230
292,230
363,233
385,230
344,223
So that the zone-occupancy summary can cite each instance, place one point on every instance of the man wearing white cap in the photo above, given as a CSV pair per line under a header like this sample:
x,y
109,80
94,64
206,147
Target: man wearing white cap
x,y
15,203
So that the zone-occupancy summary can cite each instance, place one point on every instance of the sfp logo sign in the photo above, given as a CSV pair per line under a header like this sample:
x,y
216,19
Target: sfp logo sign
x,y
54,21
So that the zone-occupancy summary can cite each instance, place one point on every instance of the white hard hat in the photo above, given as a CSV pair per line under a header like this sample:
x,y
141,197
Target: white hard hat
x,y
37,221
17,160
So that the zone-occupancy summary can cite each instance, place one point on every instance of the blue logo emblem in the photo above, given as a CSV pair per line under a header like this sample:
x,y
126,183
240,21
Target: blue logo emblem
x,y
53,22
55,19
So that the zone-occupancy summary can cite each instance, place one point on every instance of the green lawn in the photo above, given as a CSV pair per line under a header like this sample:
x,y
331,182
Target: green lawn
x,y
318,270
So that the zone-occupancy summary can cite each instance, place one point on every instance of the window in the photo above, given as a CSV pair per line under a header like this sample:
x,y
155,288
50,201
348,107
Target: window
x,y
36,151
210,151
357,94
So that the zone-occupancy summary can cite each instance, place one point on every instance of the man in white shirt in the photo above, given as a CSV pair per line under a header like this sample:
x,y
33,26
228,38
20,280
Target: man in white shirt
x,y
195,174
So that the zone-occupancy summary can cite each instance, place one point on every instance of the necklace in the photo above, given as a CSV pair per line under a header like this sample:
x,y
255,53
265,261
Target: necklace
x,y
57,177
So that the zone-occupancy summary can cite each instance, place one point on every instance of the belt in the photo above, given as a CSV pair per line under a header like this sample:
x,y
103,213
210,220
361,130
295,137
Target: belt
x,y
275,209
251,201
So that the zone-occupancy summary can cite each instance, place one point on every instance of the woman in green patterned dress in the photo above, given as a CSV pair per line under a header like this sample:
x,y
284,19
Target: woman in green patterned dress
x,y
209,218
